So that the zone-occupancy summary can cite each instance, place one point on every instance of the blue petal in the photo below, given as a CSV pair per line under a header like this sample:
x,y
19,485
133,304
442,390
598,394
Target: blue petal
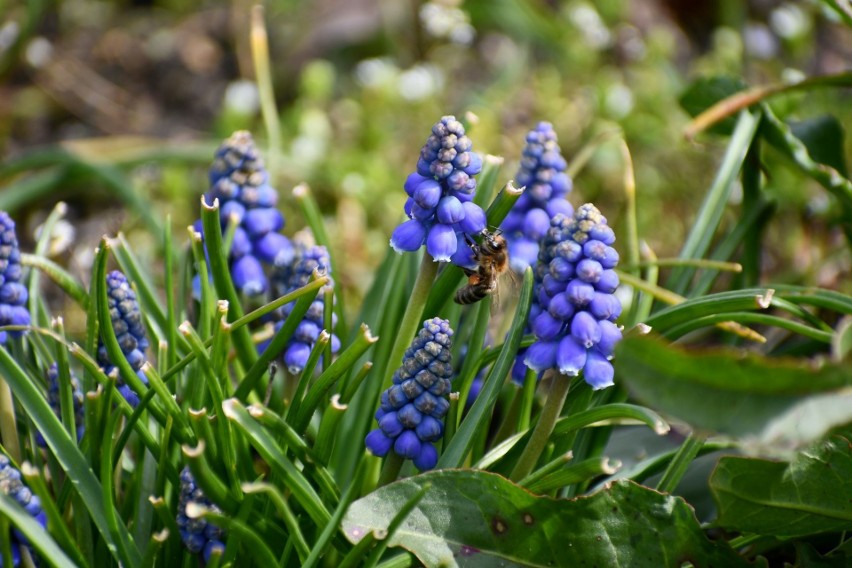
x,y
561,307
408,236
409,416
610,336
390,425
296,356
232,211
441,242
561,269
411,183
557,206
474,218
570,356
407,445
475,164
430,429
378,443
536,223
589,270
605,306
523,252
514,221
427,194
546,326
598,372
450,210
247,274
240,244
263,220
427,458
541,355
580,293
561,184
275,249
463,257
585,329
608,282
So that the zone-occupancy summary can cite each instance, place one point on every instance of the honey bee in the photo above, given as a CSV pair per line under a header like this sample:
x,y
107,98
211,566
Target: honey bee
x,y
492,260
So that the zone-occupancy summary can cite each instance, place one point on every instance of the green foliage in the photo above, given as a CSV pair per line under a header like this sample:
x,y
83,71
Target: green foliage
x,y
468,518
748,304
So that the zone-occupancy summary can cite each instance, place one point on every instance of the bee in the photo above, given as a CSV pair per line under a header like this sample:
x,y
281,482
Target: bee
x,y
492,260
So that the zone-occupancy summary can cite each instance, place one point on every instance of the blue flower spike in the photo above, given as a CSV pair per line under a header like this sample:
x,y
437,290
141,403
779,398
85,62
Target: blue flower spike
x,y
289,277
239,180
13,294
53,395
12,485
197,534
542,173
129,331
575,312
440,208
412,410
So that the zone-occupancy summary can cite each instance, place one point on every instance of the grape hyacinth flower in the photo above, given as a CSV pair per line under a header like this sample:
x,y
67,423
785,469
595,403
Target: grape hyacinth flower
x,y
12,485
412,409
129,331
542,173
197,534
439,206
13,294
239,180
286,279
53,378
575,284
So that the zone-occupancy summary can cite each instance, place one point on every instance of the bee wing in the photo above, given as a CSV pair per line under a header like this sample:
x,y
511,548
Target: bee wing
x,y
508,286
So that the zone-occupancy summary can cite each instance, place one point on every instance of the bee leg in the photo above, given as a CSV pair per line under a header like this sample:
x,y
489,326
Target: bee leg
x,y
467,271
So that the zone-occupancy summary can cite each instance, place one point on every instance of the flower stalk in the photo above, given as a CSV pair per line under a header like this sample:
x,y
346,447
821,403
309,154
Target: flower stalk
x,y
559,385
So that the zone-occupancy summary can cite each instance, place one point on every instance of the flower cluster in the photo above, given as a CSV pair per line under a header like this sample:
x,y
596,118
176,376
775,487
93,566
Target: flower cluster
x,y
13,294
239,180
53,399
542,173
439,205
129,331
412,408
12,485
575,308
289,277
197,534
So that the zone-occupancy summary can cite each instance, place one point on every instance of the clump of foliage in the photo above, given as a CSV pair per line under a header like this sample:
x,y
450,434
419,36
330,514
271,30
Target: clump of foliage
x,y
224,402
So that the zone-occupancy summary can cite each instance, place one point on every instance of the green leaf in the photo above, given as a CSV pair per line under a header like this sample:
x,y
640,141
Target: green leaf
x,y
475,518
707,91
807,496
823,136
47,548
782,402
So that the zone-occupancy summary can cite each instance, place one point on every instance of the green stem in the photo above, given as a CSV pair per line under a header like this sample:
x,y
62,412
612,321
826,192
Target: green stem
x,y
412,318
390,470
684,456
559,385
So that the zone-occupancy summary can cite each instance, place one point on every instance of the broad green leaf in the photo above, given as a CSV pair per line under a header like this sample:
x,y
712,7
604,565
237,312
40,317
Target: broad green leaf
x,y
781,402
823,136
810,495
475,518
707,91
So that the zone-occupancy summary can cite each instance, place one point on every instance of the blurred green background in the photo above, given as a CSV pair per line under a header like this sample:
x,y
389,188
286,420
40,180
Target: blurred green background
x,y
144,91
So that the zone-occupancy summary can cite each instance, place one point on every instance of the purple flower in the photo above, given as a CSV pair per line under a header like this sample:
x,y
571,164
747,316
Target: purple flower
x,y
542,173
129,331
575,284
197,534
285,279
13,294
439,207
239,180
12,485
412,409
53,379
